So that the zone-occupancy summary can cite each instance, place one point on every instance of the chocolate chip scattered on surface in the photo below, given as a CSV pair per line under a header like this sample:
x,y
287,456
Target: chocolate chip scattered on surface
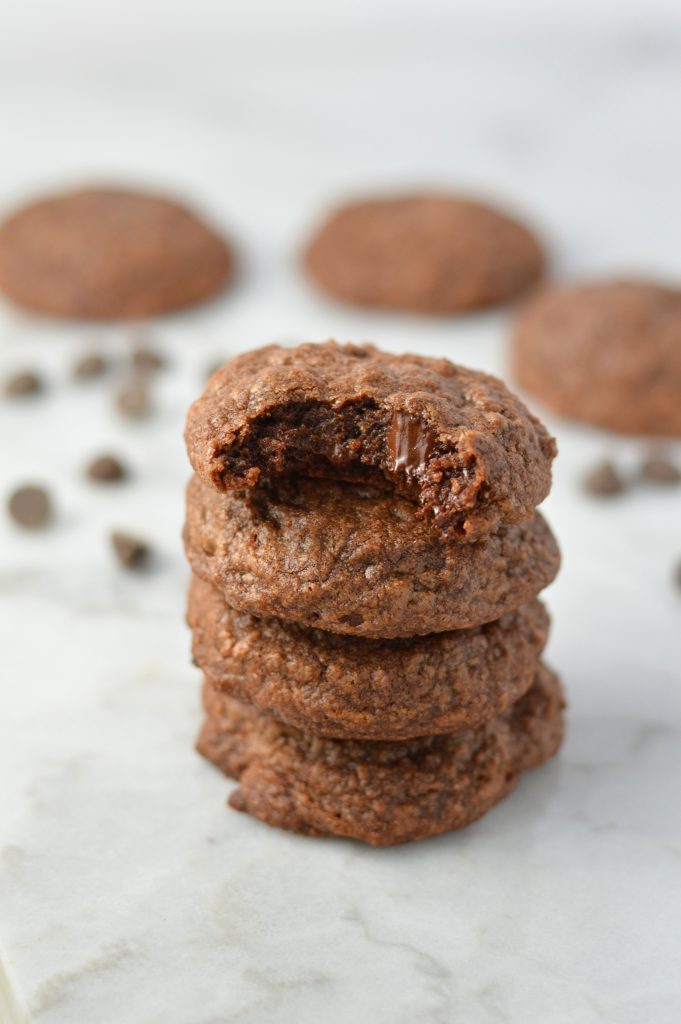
x,y
658,469
604,481
147,360
90,365
30,506
131,551
22,384
106,469
132,400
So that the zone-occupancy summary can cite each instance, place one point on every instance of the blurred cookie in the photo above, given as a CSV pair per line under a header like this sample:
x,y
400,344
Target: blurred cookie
x,y
110,254
344,686
455,441
352,559
380,793
606,353
435,254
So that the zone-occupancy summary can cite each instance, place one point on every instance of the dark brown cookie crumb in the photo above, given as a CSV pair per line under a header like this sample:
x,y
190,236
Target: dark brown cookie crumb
x,y
106,468
22,384
147,360
132,400
30,506
90,365
132,552
603,481
658,469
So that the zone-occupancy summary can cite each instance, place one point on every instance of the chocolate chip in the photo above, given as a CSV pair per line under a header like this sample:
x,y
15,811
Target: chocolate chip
x,y
657,469
30,506
147,360
133,399
21,384
90,365
106,468
603,481
131,552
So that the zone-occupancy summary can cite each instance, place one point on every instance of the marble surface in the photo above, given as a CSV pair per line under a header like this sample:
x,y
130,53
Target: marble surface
x,y
128,892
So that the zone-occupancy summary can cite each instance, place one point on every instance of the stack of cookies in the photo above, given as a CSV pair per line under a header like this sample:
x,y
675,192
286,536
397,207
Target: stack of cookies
x,y
367,557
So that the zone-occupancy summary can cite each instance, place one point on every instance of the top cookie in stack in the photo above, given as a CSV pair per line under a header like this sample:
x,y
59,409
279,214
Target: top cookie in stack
x,y
367,554
454,441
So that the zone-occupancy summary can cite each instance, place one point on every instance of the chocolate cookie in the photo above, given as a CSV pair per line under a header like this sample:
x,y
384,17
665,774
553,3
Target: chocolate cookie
x,y
351,687
607,353
352,559
380,793
109,254
434,254
454,441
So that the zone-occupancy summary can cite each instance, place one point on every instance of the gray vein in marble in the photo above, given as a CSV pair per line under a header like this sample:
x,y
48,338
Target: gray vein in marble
x,y
438,974
57,988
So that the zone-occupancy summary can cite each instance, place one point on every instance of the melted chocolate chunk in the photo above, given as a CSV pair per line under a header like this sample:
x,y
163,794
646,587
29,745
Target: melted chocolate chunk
x,y
410,443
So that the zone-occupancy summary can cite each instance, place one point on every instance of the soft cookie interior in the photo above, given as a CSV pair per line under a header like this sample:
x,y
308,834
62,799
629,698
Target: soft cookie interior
x,y
361,440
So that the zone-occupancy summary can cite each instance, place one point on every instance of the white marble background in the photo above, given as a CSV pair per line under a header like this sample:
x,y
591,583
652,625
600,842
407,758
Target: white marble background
x,y
128,893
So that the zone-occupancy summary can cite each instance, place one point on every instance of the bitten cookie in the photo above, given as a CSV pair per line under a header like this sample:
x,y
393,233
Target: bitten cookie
x,y
454,441
352,559
606,353
350,687
380,793
437,254
110,254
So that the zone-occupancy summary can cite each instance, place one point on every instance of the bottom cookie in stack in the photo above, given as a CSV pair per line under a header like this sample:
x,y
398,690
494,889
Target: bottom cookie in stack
x,y
380,792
